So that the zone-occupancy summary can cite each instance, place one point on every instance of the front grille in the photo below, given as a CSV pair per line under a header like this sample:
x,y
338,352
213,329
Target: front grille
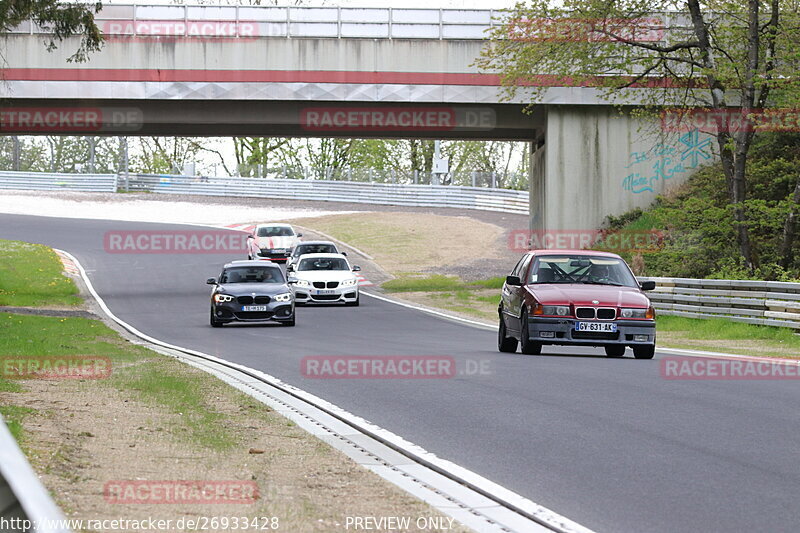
x,y
253,315
606,313
247,300
595,335
325,297
603,313
319,284
333,284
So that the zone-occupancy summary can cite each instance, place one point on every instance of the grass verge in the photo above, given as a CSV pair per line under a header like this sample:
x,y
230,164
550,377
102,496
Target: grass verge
x,y
155,418
30,276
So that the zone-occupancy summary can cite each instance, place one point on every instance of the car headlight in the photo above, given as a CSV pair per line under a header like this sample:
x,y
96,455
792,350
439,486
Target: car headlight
x,y
349,282
631,312
559,310
302,283
222,298
285,297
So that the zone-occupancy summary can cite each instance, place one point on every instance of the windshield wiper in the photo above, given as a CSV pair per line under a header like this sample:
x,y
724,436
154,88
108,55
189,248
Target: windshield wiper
x,y
603,283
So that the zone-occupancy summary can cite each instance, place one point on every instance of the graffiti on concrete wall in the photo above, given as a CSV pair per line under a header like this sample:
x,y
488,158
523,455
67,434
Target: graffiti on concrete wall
x,y
650,168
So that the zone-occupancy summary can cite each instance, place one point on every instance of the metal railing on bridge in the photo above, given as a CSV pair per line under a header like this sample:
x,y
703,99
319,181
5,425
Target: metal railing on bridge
x,y
288,22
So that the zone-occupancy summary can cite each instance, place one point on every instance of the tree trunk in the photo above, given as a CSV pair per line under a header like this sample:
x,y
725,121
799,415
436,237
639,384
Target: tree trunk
x,y
789,226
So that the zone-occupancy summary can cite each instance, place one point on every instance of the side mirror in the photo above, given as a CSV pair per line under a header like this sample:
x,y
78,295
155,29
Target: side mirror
x,y
514,281
299,234
211,281
290,268
647,285
344,253
288,254
356,268
251,236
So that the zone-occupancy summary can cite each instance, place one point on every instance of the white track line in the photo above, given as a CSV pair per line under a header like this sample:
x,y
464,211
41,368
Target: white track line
x,y
466,477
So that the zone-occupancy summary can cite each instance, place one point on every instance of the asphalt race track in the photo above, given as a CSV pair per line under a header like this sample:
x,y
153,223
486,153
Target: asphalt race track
x,y
605,442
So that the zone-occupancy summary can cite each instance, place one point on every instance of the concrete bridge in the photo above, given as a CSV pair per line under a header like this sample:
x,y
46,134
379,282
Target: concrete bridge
x,y
354,72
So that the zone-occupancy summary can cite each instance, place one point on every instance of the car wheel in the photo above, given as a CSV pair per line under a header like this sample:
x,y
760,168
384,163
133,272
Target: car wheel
x,y
646,351
528,347
353,304
615,350
213,321
505,344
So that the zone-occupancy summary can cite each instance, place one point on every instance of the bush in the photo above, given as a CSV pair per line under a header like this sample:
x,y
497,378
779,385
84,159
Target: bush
x,y
697,222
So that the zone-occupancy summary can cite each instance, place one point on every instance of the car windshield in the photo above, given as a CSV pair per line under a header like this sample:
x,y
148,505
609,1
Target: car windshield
x,y
323,263
581,269
315,249
275,231
251,275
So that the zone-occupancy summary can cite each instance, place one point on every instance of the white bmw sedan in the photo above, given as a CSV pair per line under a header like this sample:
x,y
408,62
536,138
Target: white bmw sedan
x,y
324,278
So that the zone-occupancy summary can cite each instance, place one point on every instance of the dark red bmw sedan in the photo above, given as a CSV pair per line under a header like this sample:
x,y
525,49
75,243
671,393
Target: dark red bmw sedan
x,y
576,298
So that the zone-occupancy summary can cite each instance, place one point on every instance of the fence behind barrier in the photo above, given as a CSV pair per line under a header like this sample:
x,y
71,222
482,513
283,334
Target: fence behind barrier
x,y
45,181
503,200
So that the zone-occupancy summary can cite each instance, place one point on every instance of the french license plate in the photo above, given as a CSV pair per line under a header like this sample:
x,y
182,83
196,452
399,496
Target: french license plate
x,y
279,251
322,291
254,308
600,327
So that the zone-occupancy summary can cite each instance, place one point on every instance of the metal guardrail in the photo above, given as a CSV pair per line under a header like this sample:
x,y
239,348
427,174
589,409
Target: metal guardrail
x,y
44,181
22,495
483,198
287,22
768,303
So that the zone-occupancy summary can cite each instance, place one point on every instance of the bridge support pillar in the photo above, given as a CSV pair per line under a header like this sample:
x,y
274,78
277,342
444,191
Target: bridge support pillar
x,y
598,161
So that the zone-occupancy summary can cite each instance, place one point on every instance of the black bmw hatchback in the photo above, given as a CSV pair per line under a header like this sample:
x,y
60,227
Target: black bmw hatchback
x,y
251,291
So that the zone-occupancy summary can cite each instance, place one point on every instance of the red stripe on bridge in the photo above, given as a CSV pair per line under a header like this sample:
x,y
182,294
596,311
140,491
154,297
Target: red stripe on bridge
x,y
294,76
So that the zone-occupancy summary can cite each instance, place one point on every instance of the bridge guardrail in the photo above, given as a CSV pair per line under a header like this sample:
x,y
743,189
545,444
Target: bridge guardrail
x,y
45,181
129,20
482,198
767,303
22,495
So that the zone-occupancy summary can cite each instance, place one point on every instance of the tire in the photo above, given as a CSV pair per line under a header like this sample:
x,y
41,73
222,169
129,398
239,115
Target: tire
x,y
528,347
354,304
505,344
213,321
615,350
646,351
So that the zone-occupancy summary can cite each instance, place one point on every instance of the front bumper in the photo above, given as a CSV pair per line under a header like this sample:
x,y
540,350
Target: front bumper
x,y
232,312
562,331
338,295
275,258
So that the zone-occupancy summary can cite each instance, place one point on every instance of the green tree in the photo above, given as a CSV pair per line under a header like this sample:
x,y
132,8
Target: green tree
x,y
62,19
726,55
